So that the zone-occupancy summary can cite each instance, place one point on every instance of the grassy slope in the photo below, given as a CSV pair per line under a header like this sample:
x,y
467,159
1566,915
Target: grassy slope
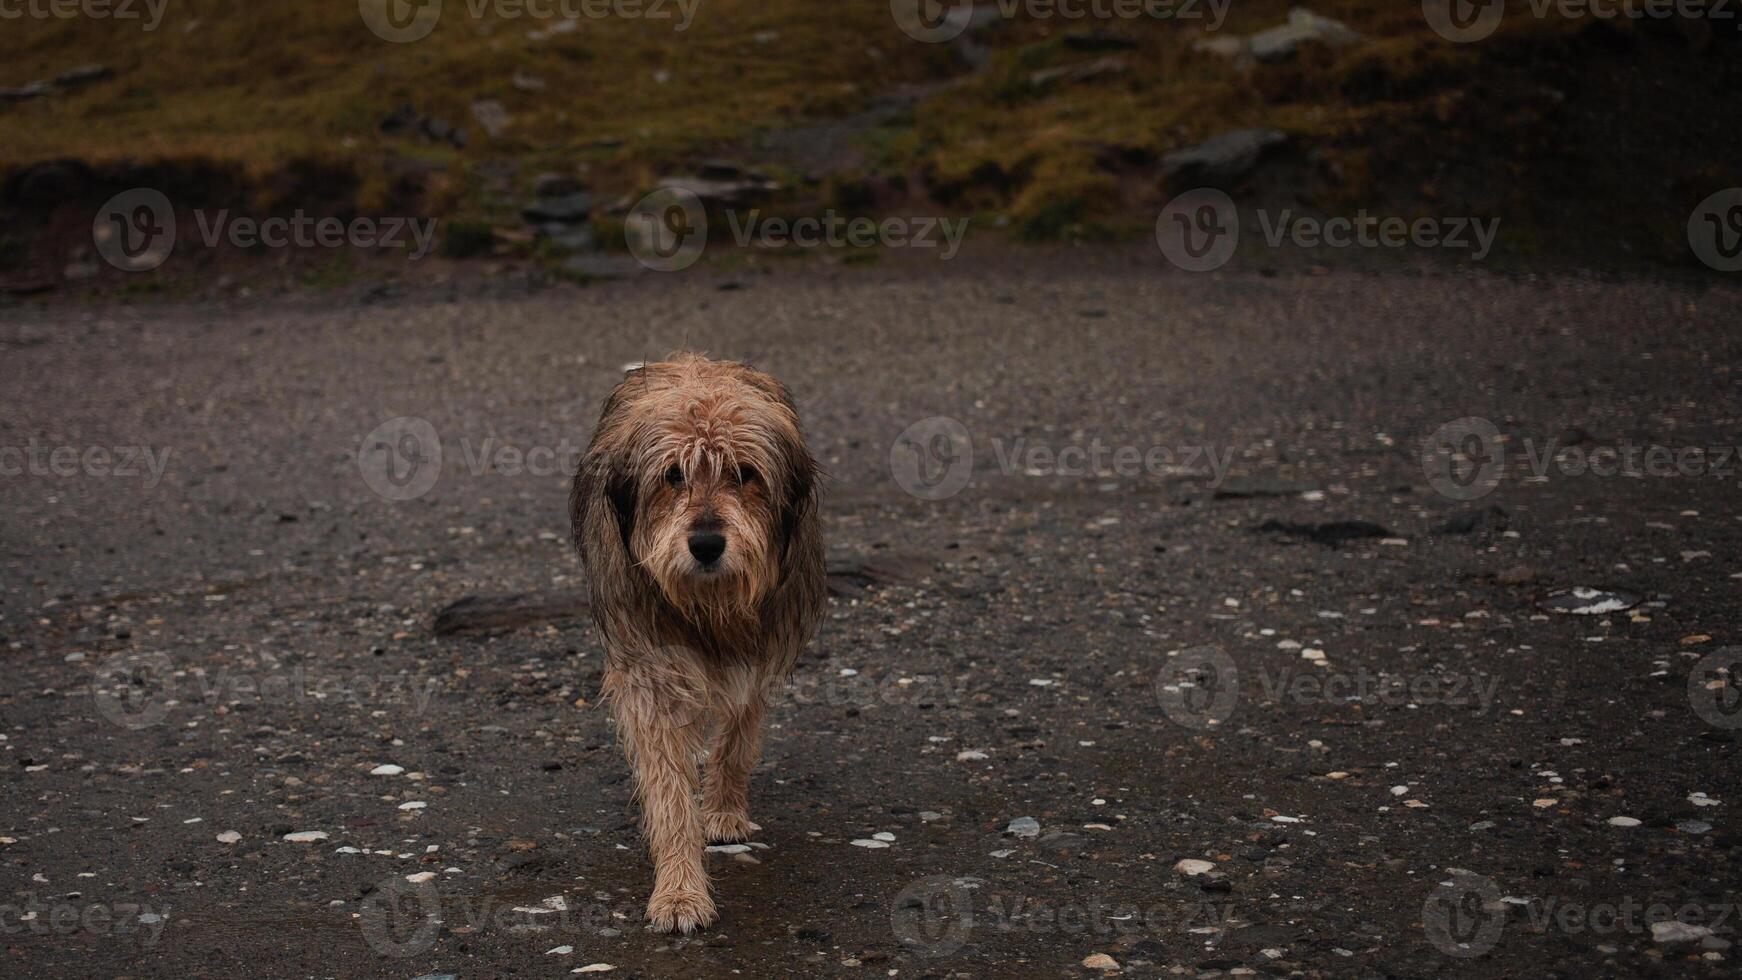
x,y
277,84
274,81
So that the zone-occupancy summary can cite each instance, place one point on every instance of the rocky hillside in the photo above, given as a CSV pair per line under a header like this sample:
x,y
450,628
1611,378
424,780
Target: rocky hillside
x,y
1591,138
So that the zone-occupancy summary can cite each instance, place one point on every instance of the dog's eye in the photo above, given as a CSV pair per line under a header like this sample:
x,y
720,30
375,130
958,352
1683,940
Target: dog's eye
x,y
747,474
674,476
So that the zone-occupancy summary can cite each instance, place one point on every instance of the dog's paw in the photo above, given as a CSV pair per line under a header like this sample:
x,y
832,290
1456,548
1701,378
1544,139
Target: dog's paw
x,y
680,911
727,827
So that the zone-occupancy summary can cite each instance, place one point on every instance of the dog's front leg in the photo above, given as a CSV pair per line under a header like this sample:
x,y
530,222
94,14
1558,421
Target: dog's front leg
x,y
726,788
662,740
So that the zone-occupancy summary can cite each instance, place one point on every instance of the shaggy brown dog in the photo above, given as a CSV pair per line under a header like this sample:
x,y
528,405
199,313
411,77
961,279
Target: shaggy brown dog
x,y
695,512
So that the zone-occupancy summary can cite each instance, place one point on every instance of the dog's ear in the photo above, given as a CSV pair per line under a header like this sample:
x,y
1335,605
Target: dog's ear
x,y
800,497
620,489
602,492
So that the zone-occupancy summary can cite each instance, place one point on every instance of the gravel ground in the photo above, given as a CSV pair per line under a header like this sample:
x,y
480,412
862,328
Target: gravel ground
x,y
1249,688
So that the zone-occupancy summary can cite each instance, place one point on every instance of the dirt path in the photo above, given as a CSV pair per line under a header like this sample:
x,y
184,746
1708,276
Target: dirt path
x,y
1382,698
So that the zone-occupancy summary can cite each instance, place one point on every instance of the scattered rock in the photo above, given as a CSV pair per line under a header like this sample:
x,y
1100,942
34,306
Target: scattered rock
x,y
34,90
1221,160
1671,931
306,836
1623,821
1100,961
1079,72
229,837
1023,827
492,116
83,75
1192,867
1279,43
726,193
1588,602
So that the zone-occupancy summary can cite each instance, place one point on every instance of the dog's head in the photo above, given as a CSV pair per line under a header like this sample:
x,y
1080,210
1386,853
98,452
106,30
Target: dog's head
x,y
700,468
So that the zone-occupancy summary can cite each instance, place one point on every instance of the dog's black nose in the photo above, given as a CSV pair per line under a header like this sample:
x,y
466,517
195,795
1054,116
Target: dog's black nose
x,y
707,547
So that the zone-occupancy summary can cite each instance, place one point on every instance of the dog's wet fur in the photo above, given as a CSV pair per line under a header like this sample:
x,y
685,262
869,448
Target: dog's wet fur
x,y
695,513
